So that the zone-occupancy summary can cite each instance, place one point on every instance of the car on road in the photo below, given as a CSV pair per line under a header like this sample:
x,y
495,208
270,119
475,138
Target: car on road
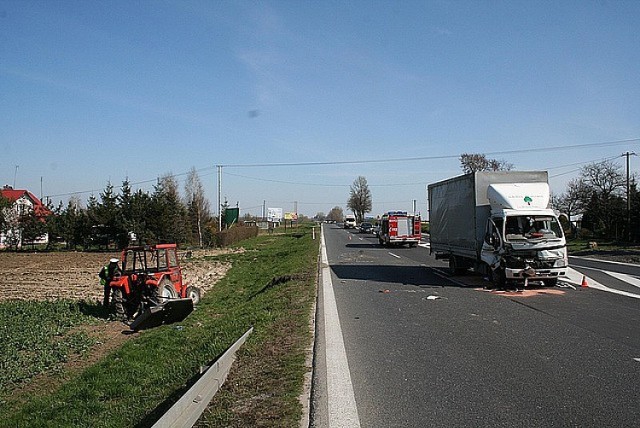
x,y
350,221
365,227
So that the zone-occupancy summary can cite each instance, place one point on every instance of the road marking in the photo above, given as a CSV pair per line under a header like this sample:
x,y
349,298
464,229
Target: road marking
x,y
575,277
341,401
604,261
624,277
424,245
637,359
395,255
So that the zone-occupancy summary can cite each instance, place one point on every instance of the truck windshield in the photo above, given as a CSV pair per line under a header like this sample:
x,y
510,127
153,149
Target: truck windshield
x,y
532,228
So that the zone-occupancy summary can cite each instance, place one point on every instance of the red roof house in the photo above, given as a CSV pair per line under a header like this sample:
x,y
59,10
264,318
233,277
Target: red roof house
x,y
22,202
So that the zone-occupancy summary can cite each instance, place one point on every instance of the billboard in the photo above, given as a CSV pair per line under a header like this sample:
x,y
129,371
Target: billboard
x,y
274,214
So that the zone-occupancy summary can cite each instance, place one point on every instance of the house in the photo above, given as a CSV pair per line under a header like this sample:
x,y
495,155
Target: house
x,y
22,202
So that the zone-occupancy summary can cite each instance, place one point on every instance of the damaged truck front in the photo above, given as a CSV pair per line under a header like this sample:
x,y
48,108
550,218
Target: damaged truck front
x,y
499,223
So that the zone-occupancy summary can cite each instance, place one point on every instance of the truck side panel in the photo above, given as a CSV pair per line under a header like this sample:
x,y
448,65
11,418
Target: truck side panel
x,y
452,213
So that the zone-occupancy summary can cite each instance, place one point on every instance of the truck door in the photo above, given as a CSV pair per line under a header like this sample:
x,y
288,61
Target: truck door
x,y
492,242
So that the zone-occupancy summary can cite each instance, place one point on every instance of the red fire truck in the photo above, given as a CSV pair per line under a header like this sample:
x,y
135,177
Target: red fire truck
x,y
398,228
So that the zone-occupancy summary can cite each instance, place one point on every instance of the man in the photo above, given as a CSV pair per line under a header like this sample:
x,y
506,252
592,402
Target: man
x,y
106,275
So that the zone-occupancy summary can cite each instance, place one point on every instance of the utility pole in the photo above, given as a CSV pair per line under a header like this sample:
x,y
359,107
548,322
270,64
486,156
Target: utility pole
x,y
219,195
628,155
15,173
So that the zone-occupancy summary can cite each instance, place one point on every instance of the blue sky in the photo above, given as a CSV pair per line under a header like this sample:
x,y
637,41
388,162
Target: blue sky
x,y
92,92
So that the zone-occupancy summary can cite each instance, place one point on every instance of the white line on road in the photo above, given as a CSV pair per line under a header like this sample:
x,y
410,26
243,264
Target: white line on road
x,y
575,277
395,255
341,400
624,277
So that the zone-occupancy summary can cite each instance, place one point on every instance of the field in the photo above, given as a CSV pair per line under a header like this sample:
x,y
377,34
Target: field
x,y
74,275
64,363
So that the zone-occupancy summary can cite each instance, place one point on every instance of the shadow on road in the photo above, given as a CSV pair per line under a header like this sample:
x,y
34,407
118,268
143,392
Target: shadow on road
x,y
419,276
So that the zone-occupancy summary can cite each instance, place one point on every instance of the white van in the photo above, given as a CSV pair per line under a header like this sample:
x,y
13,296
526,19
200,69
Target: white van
x,y
349,221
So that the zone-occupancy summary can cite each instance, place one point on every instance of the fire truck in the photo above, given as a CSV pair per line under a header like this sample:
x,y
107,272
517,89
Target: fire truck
x,y
399,228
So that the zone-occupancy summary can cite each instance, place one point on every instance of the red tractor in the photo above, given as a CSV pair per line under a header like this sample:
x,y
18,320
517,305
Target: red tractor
x,y
150,283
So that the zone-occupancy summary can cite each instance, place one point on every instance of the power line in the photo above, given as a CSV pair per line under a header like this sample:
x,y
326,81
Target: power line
x,y
409,159
420,158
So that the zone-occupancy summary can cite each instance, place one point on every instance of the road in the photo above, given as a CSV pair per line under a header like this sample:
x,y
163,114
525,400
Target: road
x,y
411,347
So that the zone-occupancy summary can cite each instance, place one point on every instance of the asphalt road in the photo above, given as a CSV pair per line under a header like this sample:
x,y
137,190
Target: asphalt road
x,y
424,349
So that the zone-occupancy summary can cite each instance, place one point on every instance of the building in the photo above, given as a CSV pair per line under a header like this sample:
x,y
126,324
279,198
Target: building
x,y
22,202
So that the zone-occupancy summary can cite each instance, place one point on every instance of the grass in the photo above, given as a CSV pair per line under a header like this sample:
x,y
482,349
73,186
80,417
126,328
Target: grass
x,y
578,245
37,337
271,287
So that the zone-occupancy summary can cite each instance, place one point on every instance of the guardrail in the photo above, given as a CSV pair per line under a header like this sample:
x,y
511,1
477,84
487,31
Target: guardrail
x,y
187,410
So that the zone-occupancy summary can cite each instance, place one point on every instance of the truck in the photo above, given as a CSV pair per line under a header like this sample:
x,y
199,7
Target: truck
x,y
399,228
500,224
350,221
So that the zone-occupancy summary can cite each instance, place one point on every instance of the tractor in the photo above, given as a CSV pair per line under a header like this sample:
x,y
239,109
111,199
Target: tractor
x,y
149,288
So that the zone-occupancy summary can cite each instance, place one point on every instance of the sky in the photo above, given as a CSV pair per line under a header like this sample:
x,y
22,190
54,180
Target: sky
x,y
293,100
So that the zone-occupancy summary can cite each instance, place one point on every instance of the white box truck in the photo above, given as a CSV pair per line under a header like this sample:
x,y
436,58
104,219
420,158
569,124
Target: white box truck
x,y
350,221
500,224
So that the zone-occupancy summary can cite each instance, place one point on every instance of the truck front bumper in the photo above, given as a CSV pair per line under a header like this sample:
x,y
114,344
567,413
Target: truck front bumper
x,y
535,274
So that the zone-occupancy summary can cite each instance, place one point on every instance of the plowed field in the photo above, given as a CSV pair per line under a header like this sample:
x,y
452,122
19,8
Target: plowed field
x,y
74,275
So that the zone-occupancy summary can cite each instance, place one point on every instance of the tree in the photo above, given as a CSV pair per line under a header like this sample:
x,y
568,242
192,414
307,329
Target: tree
x,y
604,206
336,214
32,226
169,214
571,202
197,204
319,217
5,206
360,198
472,162
124,215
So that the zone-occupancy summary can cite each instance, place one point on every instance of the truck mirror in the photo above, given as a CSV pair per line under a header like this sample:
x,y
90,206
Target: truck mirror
x,y
495,240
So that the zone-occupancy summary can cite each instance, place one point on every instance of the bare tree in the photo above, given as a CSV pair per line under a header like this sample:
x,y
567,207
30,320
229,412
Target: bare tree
x,y
472,162
603,201
360,198
336,214
605,178
572,201
197,204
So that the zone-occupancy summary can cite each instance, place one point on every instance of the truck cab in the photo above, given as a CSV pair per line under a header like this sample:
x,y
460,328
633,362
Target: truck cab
x,y
524,239
350,221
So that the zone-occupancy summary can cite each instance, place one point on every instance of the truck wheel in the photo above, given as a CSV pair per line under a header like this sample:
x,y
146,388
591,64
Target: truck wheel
x,y
498,278
117,304
454,266
193,293
551,282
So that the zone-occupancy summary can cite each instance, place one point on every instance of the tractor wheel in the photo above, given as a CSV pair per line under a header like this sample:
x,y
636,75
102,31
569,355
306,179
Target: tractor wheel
x,y
165,291
117,304
194,293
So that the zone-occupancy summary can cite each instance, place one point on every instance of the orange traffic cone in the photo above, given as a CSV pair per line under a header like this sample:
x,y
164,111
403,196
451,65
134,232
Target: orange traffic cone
x,y
584,282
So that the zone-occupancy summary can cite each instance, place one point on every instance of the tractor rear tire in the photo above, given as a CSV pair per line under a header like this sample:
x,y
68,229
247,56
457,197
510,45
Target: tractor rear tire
x,y
194,294
117,304
165,291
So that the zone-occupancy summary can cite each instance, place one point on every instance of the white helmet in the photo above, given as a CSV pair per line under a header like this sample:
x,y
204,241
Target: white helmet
x,y
114,260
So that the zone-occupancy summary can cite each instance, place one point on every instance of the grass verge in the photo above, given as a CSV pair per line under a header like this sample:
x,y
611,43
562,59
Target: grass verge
x,y
271,287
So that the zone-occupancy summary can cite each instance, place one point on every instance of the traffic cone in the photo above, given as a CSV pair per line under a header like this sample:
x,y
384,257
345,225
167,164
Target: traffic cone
x,y
584,282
